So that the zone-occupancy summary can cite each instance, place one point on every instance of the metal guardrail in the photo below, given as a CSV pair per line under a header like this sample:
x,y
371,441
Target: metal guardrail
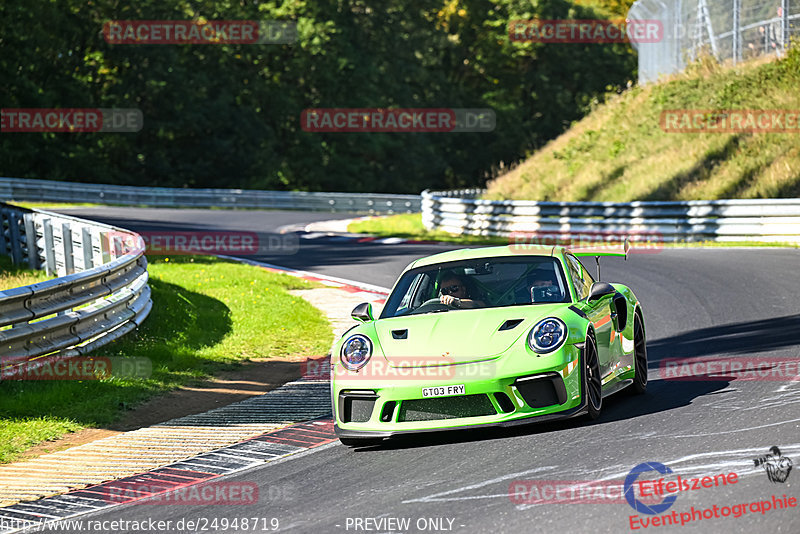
x,y
101,292
53,191
764,220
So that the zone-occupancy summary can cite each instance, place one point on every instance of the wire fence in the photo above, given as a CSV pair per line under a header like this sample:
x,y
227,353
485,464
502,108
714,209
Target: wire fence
x,y
729,30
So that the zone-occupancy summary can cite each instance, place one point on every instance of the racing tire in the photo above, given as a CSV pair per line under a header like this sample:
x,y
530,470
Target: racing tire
x,y
592,382
639,385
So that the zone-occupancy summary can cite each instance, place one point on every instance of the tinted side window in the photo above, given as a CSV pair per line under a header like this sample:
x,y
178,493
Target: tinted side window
x,y
587,278
576,272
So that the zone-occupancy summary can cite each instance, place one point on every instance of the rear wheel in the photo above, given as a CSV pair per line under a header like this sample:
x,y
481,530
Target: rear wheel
x,y
639,357
592,383
360,442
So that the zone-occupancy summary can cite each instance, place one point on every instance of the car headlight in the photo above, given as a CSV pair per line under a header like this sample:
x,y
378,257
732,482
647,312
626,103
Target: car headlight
x,y
356,352
548,335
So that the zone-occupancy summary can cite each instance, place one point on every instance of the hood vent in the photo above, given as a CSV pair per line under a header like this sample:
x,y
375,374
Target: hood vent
x,y
510,324
400,334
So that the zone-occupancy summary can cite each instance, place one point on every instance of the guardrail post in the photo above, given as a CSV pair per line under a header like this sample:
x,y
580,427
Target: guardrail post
x,y
784,37
69,251
4,249
49,250
86,248
105,249
737,48
30,241
15,244
116,245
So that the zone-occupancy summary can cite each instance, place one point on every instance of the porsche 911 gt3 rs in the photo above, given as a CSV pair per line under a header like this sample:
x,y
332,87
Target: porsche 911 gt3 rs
x,y
487,336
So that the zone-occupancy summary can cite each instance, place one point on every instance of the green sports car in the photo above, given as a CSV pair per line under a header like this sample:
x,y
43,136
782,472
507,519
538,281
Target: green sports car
x,y
487,336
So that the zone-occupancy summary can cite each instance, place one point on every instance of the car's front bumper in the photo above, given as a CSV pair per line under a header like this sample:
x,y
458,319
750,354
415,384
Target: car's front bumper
x,y
499,392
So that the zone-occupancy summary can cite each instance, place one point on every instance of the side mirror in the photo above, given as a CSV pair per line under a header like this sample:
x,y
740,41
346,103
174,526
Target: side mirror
x,y
362,312
600,290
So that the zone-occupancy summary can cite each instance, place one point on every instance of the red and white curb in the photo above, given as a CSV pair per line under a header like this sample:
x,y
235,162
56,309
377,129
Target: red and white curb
x,y
269,447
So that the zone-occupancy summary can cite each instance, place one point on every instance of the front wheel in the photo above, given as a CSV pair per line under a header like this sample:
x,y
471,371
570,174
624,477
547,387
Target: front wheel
x,y
639,357
592,383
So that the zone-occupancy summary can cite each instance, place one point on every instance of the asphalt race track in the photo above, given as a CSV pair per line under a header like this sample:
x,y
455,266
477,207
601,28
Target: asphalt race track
x,y
725,303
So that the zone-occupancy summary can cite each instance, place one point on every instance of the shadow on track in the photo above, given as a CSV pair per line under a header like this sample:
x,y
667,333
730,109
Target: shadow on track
x,y
733,338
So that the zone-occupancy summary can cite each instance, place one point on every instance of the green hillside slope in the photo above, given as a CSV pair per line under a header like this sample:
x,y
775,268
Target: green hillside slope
x,y
619,152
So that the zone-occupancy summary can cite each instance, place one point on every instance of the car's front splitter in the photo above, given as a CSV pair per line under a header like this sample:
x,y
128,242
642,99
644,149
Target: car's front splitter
x,y
521,420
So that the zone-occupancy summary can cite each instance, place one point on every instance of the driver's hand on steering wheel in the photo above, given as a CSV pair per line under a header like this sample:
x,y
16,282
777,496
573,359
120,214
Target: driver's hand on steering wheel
x,y
450,300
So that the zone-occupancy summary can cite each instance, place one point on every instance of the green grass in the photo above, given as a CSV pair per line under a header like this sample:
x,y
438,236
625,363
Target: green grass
x,y
409,226
208,315
55,205
15,275
17,435
620,153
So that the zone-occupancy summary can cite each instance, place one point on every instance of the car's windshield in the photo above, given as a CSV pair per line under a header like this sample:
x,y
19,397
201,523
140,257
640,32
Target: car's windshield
x,y
481,283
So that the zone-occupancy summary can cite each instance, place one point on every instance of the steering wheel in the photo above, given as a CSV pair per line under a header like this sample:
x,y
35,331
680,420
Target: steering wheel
x,y
432,305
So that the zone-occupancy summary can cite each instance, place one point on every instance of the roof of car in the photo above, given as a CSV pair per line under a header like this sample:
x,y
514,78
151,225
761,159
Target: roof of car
x,y
486,252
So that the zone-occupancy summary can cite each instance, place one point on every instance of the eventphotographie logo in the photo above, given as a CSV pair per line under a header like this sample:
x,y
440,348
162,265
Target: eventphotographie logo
x,y
775,465
633,478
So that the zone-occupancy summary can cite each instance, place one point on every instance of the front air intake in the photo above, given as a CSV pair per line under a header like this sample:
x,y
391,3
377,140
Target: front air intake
x,y
543,390
446,408
356,406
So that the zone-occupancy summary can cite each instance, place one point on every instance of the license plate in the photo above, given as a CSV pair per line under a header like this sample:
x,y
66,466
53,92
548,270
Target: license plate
x,y
443,391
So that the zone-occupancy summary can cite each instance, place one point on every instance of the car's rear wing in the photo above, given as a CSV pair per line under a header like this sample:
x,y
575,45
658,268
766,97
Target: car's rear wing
x,y
615,249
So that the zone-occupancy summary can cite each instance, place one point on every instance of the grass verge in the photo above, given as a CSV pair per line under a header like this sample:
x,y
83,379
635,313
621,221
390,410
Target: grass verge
x,y
12,276
409,226
620,152
208,315
55,205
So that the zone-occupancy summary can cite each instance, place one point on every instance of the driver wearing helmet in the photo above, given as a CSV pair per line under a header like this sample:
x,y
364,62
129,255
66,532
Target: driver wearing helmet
x,y
454,293
544,286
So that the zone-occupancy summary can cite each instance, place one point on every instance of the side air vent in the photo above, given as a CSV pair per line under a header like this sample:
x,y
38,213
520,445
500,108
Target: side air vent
x,y
504,402
510,324
400,334
387,414
356,406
